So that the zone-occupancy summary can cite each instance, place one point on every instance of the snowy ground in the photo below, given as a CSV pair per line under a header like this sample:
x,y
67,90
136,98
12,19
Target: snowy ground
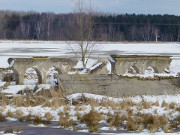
x,y
72,111
61,49
104,50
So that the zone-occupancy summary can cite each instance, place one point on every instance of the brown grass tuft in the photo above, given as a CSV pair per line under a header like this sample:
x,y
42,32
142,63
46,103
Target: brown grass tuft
x,y
114,121
2,117
38,120
152,128
172,105
164,104
4,101
49,116
131,125
91,119
178,109
18,101
8,130
10,114
146,105
167,129
19,112
156,103
65,120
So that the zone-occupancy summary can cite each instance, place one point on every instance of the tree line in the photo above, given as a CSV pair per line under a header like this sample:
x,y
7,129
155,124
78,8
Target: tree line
x,y
106,27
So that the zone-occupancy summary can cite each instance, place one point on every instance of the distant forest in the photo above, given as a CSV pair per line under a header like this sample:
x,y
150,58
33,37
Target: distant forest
x,y
125,27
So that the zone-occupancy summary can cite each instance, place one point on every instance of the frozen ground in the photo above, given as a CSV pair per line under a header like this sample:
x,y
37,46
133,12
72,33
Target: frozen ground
x,y
72,111
103,50
61,49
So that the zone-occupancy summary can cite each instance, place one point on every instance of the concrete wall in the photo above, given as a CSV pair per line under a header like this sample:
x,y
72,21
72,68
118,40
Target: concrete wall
x,y
117,86
42,65
123,63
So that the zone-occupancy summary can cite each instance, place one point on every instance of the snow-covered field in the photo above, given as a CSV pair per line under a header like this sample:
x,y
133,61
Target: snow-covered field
x,y
61,49
104,50
74,111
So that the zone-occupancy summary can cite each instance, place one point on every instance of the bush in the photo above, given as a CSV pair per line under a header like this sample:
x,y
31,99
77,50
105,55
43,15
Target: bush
x,y
2,117
65,120
114,121
38,120
91,119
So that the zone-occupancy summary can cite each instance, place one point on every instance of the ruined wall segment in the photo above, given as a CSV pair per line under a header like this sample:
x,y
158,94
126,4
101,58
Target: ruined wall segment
x,y
42,64
141,63
117,86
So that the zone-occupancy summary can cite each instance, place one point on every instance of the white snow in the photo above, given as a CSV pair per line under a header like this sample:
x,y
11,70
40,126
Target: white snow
x,y
16,88
4,62
30,77
60,48
41,111
79,65
175,65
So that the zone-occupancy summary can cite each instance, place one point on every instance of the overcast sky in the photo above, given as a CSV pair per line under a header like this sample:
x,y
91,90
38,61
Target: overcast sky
x,y
106,6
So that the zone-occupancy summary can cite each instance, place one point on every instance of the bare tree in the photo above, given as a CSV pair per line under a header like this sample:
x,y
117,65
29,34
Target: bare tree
x,y
83,39
156,32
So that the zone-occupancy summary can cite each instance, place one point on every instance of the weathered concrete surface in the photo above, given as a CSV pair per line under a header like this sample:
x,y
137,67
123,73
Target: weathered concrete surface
x,y
123,63
117,86
42,65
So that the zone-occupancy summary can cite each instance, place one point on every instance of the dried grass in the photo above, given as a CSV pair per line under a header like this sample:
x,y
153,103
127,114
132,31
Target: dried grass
x,y
91,119
156,103
18,101
19,113
131,125
10,114
172,105
146,105
4,101
178,109
114,121
38,120
65,120
49,116
2,117
164,104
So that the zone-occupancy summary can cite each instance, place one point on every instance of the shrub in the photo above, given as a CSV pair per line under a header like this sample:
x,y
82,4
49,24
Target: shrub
x,y
172,105
164,104
178,109
8,130
18,100
19,113
114,121
38,120
152,128
49,116
2,117
146,105
10,114
65,120
27,118
131,125
91,119
167,129
156,103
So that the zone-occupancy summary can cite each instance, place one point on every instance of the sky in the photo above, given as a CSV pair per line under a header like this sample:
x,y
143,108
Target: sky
x,y
106,6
